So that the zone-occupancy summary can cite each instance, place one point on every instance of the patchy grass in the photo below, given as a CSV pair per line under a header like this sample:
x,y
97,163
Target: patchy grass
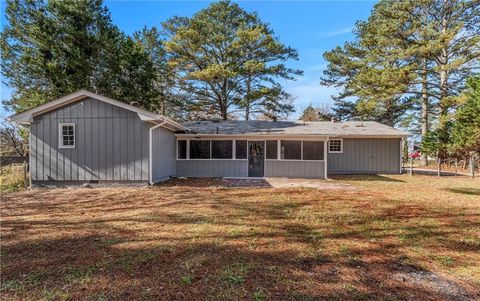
x,y
395,238
11,178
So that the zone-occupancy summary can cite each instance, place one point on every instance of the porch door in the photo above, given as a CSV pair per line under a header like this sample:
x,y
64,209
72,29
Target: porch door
x,y
256,158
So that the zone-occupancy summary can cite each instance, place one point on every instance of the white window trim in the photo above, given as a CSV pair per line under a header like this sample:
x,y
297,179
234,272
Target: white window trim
x,y
341,146
60,135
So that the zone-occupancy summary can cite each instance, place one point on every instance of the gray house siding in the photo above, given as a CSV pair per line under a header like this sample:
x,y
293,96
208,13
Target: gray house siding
x,y
212,168
163,154
294,169
366,156
111,144
239,168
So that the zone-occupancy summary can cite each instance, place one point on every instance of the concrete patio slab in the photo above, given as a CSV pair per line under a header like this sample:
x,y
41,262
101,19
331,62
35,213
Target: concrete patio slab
x,y
320,184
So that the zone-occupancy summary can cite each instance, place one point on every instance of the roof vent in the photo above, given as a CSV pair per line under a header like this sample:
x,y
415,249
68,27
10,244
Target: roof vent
x,y
217,129
134,104
216,120
360,125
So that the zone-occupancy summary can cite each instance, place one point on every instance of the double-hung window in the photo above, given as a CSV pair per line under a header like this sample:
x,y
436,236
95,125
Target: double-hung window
x,y
66,135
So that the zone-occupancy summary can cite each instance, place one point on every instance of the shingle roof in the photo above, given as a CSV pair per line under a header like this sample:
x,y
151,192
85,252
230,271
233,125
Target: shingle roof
x,y
327,128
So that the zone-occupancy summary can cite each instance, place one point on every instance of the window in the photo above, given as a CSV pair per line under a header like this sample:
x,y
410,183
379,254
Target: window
x,y
291,150
182,149
241,149
312,150
222,149
66,135
199,149
335,146
272,149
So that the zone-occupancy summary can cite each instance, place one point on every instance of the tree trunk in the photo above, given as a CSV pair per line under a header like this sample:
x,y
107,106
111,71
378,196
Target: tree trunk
x,y
247,100
443,61
224,100
425,108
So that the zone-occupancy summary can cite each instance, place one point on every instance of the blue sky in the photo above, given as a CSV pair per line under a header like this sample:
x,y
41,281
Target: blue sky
x,y
311,27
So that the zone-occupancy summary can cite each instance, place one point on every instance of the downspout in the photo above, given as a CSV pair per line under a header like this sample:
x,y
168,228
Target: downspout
x,y
150,155
325,148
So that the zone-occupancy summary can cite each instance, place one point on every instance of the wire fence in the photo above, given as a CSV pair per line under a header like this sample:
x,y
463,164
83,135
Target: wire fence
x,y
444,167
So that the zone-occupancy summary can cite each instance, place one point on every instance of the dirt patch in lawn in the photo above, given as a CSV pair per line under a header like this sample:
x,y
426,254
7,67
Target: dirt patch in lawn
x,y
395,238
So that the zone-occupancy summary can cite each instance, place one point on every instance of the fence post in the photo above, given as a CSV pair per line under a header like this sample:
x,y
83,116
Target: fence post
x,y
411,166
25,180
472,167
456,167
439,170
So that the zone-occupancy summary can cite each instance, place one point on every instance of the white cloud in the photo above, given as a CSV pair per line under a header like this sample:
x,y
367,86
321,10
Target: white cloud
x,y
335,33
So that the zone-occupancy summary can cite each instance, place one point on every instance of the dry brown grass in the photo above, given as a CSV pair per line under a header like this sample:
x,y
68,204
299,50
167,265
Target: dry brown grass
x,y
397,238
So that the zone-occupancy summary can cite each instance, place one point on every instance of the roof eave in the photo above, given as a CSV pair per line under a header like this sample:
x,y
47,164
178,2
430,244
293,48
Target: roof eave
x,y
26,117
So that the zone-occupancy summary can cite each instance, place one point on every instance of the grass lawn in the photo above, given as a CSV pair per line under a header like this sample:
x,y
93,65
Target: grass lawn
x,y
395,238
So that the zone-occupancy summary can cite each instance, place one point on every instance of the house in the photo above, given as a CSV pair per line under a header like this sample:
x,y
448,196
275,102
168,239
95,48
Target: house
x,y
86,137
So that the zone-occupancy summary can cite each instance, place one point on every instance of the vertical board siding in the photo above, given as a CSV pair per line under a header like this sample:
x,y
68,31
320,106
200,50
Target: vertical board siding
x,y
164,155
294,169
364,155
212,168
111,143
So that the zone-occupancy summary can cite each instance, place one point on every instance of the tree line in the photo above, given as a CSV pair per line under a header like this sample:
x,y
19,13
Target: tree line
x,y
413,63
223,62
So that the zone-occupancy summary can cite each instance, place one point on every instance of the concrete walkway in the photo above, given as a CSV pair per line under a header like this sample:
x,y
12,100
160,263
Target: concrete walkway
x,y
289,183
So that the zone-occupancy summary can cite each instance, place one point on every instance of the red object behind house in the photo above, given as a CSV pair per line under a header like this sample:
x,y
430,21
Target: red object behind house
x,y
414,154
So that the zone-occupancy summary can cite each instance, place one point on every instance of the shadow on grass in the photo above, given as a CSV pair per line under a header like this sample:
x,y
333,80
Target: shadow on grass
x,y
468,191
220,245
97,267
216,182
364,178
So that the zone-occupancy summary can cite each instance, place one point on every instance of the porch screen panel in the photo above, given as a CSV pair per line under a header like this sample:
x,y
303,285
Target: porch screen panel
x,y
241,149
272,149
182,149
199,149
291,149
313,150
222,149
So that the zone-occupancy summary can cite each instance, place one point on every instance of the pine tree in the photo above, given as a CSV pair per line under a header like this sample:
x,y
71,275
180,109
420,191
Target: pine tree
x,y
465,132
52,48
228,60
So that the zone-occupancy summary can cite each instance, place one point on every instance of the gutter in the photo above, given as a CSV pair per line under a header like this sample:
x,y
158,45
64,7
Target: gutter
x,y
150,153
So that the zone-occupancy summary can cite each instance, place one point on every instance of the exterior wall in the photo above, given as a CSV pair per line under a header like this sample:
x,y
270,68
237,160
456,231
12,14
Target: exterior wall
x,y
212,168
239,168
294,169
164,164
366,156
111,144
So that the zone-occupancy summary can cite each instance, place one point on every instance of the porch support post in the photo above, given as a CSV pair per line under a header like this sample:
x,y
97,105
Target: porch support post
x,y
325,156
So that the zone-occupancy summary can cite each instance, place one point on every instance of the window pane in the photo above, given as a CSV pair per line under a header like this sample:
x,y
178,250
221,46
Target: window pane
x,y
199,149
222,149
335,145
182,149
312,150
67,135
241,149
290,150
272,149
